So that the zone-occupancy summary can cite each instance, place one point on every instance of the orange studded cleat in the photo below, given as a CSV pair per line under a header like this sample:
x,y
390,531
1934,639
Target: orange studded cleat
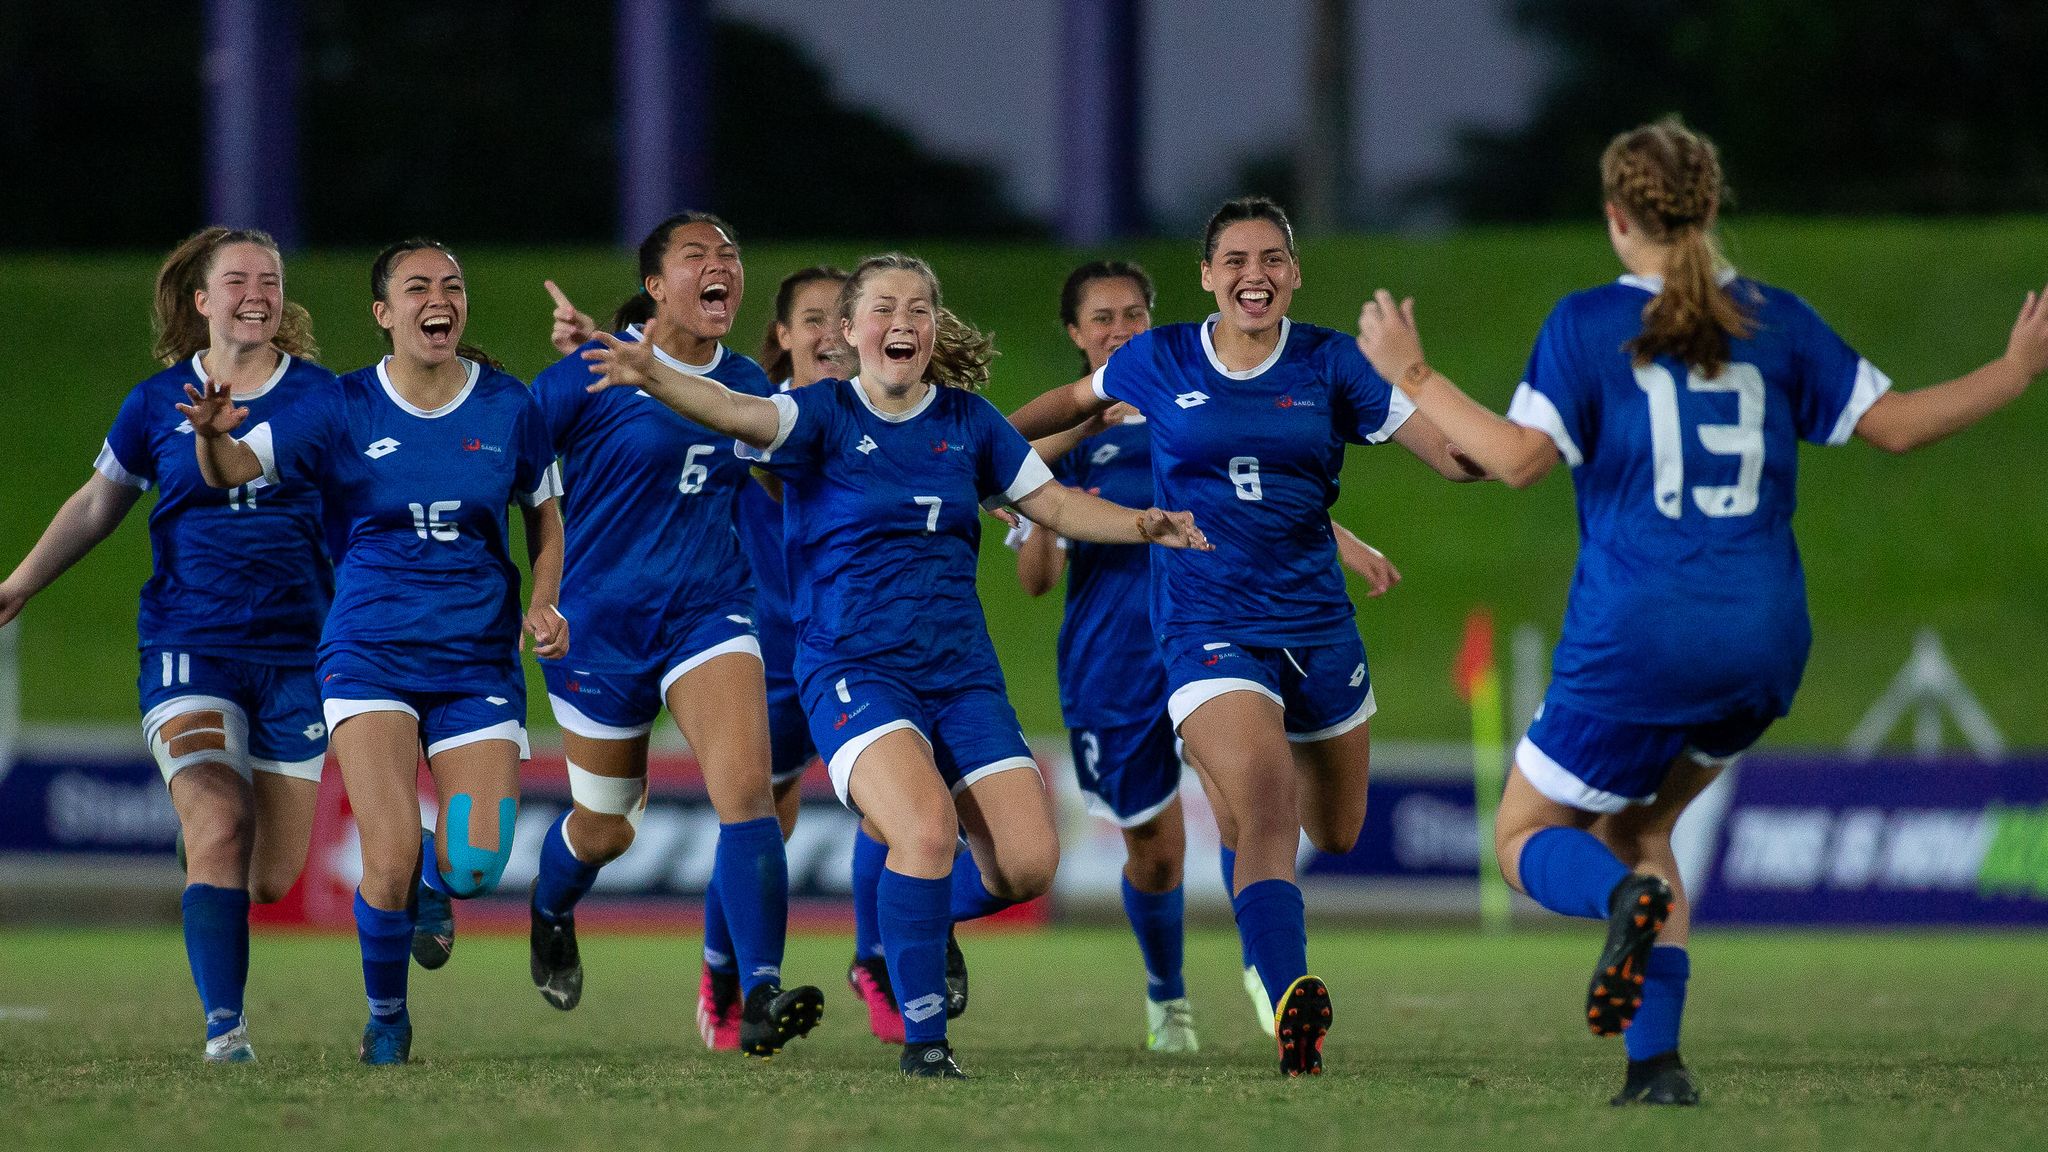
x,y
1300,1023
1637,911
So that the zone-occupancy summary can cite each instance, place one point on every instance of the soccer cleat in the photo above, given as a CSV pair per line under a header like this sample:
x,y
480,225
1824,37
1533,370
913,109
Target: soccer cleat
x,y
931,1061
868,976
1659,1080
718,1009
231,1047
956,978
553,957
386,1043
775,1016
1170,1026
1262,1004
433,927
1299,1024
1636,913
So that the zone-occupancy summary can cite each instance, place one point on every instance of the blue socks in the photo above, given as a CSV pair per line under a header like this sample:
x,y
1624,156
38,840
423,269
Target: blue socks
x,y
915,918
870,856
1158,920
1227,858
386,939
430,865
718,948
1570,872
752,878
1655,1030
563,878
971,898
1272,924
217,946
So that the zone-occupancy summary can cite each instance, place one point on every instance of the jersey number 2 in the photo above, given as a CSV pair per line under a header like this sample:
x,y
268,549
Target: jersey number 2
x,y
1743,439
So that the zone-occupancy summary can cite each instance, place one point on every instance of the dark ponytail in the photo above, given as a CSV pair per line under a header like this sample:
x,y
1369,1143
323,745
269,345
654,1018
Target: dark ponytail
x,y
635,309
380,290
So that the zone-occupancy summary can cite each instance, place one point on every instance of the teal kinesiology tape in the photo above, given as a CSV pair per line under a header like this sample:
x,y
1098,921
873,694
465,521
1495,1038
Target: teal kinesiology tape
x,y
472,871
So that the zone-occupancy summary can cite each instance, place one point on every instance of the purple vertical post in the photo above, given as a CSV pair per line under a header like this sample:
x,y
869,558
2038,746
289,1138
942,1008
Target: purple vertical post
x,y
664,53
1101,138
251,80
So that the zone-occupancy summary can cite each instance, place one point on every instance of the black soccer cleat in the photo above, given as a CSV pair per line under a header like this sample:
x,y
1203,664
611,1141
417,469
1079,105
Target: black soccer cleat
x,y
930,1061
773,1017
956,978
1637,909
1659,1080
556,963
1300,1023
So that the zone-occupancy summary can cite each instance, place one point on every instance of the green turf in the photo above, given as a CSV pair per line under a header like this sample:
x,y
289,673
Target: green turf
x,y
1443,1040
1952,537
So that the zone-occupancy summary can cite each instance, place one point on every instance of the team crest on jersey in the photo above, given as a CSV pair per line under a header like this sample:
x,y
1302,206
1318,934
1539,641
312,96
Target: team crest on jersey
x,y
475,445
939,446
1191,399
1291,402
381,448
867,444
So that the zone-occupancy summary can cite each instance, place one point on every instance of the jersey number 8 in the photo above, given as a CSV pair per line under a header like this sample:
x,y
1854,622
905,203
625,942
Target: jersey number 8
x,y
1743,439
1244,476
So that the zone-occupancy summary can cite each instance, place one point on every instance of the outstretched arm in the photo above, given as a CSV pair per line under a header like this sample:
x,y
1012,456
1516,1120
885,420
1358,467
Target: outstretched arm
x,y
1078,515
1058,410
1903,421
90,516
753,420
224,462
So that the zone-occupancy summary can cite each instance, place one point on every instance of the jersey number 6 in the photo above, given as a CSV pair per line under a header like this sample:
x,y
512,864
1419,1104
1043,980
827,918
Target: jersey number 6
x,y
694,474
1743,439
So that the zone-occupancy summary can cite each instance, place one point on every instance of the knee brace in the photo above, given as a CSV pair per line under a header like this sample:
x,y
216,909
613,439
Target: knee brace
x,y
609,795
473,871
233,731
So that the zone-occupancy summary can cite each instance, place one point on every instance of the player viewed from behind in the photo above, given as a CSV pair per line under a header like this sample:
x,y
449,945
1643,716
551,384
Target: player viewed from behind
x,y
883,475
231,613
1265,675
416,458
1112,683
656,578
1678,396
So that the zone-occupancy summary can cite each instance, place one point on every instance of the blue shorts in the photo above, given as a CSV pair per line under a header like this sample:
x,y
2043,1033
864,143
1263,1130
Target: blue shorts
x,y
1595,764
272,715
490,703
972,732
1127,772
790,748
1325,690
607,704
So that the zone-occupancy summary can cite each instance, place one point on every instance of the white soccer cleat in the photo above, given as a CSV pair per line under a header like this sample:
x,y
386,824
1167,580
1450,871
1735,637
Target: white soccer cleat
x,y
231,1047
1170,1026
1262,1004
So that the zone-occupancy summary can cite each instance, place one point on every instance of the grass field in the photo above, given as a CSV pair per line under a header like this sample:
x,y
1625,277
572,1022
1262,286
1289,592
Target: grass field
x,y
1953,537
1443,1040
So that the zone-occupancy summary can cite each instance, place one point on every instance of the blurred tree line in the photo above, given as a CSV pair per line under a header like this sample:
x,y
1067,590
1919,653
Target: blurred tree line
x,y
1820,106
476,122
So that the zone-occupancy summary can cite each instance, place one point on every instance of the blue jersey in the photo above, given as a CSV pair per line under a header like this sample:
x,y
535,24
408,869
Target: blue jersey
x,y
1109,666
760,528
882,516
1689,599
649,509
424,578
1255,456
240,573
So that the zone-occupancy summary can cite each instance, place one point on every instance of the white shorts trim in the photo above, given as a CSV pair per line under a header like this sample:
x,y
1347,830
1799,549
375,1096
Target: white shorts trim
x,y
840,767
296,769
1707,761
1552,779
1100,808
1367,709
570,718
338,710
1193,695
235,727
1006,764
746,644
511,730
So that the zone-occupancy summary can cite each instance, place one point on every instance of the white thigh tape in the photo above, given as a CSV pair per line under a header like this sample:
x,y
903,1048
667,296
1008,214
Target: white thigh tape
x,y
611,795
233,733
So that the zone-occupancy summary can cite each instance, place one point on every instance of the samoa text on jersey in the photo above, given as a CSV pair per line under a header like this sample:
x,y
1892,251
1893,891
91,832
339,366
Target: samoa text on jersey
x,y
649,503
1109,668
1255,455
882,517
424,580
240,572
1689,599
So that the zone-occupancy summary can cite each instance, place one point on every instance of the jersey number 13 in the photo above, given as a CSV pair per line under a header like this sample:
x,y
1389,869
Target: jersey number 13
x,y
1743,439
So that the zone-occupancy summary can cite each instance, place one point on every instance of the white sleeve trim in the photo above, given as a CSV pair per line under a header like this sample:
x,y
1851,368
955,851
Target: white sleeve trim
x,y
1870,384
1399,409
549,488
785,423
1018,534
261,441
108,465
1031,476
1099,384
1532,409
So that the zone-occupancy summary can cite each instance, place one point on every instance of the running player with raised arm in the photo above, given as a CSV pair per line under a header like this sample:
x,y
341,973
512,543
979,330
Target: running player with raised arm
x,y
232,609
1677,396
882,477
657,579
416,458
1266,678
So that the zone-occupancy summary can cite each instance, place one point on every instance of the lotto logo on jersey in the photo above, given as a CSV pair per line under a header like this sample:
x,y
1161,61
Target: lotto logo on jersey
x,y
381,448
867,444
184,426
1191,399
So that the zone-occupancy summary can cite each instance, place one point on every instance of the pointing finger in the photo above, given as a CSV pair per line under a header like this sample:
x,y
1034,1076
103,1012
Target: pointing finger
x,y
561,300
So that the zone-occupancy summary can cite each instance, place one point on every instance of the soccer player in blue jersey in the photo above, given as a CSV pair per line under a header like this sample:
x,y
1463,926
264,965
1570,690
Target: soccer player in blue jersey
x,y
1266,678
417,458
657,579
1112,683
232,610
882,478
1677,396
